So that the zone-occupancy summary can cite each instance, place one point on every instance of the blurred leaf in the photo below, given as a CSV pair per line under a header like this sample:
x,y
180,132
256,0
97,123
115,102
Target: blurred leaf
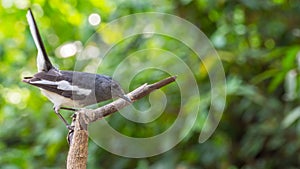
x,y
291,117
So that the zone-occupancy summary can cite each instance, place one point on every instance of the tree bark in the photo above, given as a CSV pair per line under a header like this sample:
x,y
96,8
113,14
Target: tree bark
x,y
78,140
78,137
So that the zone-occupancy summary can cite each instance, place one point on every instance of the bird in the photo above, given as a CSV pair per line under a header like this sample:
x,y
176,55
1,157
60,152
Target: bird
x,y
69,89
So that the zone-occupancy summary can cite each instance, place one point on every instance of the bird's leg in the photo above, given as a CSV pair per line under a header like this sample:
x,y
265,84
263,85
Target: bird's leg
x,y
56,109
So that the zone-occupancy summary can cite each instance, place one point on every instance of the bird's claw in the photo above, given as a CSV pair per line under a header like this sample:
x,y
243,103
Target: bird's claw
x,y
70,127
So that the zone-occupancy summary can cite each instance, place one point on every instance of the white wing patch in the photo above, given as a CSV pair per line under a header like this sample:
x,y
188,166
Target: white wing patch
x,y
65,85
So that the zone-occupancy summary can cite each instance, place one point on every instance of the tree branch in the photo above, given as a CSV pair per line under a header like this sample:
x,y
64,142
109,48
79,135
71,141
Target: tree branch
x,y
78,138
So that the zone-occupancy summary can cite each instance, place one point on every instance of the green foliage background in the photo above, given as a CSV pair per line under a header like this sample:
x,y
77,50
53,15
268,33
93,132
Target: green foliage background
x,y
258,42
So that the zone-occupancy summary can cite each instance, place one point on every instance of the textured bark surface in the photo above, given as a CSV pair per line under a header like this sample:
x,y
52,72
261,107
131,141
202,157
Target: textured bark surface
x,y
78,152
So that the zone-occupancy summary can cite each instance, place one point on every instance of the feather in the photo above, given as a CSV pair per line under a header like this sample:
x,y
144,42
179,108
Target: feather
x,y
63,88
43,62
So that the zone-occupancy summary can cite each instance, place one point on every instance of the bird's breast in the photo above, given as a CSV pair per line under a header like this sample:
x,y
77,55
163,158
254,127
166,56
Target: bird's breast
x,y
59,100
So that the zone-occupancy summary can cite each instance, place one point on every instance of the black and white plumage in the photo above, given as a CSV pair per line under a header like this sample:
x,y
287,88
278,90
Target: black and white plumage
x,y
69,88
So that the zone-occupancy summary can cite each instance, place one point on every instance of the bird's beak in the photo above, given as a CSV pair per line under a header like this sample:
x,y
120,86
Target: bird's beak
x,y
126,98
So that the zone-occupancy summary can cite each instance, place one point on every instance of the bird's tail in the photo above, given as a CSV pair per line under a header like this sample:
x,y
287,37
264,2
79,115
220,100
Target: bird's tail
x,y
43,62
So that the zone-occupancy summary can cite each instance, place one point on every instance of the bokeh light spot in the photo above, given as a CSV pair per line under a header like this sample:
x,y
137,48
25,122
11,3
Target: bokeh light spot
x,y
94,19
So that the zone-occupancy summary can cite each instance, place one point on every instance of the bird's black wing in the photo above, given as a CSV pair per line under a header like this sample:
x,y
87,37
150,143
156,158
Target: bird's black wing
x,y
58,83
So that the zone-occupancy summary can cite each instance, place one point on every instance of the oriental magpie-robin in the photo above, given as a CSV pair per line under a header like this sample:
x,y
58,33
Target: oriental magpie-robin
x,y
69,88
